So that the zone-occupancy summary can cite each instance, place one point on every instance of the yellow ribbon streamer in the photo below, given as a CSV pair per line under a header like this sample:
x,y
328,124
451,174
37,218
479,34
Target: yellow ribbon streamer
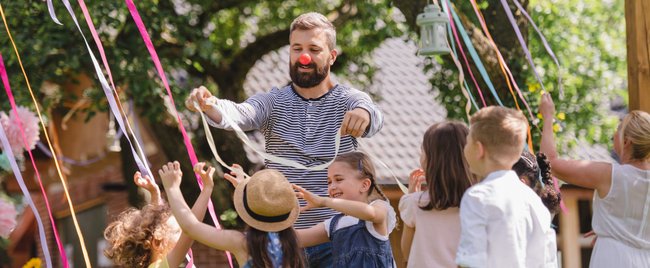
x,y
49,143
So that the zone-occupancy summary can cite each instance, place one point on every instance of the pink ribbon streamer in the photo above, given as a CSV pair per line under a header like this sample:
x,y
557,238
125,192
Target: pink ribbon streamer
x,y
460,48
505,66
28,197
188,143
100,48
529,57
5,81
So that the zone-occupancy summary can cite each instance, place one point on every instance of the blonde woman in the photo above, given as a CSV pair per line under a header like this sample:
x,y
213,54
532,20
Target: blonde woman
x,y
622,201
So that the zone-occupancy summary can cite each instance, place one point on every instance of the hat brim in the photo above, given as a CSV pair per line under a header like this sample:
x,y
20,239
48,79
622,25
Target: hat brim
x,y
257,224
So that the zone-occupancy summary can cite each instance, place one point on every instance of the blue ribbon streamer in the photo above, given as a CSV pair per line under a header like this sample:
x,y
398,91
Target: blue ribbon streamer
x,y
453,48
474,54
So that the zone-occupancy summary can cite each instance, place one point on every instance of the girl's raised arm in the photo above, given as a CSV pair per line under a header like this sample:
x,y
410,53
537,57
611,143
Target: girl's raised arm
x,y
375,213
227,240
177,254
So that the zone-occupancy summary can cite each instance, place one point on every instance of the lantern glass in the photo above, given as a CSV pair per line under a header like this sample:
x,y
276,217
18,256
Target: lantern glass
x,y
440,35
427,37
433,34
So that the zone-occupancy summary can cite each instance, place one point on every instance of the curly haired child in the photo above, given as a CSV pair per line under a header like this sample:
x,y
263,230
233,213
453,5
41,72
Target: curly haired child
x,y
150,236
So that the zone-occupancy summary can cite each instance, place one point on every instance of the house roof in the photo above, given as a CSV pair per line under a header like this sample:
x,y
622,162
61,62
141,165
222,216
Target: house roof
x,y
403,93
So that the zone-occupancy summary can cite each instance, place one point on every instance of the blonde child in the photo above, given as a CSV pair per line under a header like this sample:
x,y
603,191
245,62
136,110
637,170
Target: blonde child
x,y
621,206
266,202
150,236
359,234
503,221
431,217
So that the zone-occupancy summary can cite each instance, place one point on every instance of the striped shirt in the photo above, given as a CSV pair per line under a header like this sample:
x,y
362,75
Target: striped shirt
x,y
302,130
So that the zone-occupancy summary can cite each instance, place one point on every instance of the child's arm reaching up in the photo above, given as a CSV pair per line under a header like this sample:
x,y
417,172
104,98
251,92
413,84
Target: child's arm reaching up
x,y
219,239
177,254
148,184
375,213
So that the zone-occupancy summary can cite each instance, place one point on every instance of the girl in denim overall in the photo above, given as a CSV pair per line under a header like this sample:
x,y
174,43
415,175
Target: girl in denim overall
x,y
359,234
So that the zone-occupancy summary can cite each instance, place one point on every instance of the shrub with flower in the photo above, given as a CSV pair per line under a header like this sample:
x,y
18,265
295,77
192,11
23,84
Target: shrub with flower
x,y
18,144
12,129
8,215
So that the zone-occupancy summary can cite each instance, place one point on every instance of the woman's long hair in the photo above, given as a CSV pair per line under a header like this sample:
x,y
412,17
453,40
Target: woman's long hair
x,y
446,168
257,241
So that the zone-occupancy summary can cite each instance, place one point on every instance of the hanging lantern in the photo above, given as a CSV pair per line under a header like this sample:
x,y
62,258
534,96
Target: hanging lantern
x,y
433,31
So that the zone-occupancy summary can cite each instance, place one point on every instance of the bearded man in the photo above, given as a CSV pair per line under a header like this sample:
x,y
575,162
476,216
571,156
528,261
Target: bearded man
x,y
300,120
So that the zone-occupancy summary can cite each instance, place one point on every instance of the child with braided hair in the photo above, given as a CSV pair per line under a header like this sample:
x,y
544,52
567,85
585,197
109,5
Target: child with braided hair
x,y
535,171
359,234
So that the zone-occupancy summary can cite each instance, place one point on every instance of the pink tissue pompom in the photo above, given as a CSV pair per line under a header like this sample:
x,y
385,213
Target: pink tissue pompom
x,y
12,129
7,218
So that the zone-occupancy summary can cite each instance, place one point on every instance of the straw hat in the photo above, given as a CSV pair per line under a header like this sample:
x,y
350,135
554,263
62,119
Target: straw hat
x,y
267,201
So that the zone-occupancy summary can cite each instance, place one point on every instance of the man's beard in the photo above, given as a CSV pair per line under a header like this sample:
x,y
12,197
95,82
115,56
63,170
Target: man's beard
x,y
308,79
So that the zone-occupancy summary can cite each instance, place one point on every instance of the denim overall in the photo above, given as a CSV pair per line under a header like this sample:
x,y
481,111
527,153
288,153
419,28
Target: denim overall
x,y
354,246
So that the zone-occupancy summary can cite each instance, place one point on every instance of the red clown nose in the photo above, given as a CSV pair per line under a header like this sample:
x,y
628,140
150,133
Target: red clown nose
x,y
304,59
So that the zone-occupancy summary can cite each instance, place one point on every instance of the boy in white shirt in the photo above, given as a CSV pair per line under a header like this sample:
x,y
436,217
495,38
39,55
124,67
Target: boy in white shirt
x,y
503,222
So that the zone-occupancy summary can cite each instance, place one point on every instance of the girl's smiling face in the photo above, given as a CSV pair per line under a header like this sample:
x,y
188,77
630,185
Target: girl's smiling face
x,y
343,181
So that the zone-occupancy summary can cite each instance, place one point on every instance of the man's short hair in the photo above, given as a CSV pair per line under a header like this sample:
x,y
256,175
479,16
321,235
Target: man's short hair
x,y
313,20
502,131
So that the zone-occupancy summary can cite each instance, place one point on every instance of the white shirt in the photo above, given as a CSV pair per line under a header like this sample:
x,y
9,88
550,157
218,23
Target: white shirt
x,y
503,224
346,221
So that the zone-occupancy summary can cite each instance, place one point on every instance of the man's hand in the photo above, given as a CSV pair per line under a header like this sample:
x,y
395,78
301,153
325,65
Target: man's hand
x,y
416,178
171,175
206,173
236,176
313,200
200,95
355,122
